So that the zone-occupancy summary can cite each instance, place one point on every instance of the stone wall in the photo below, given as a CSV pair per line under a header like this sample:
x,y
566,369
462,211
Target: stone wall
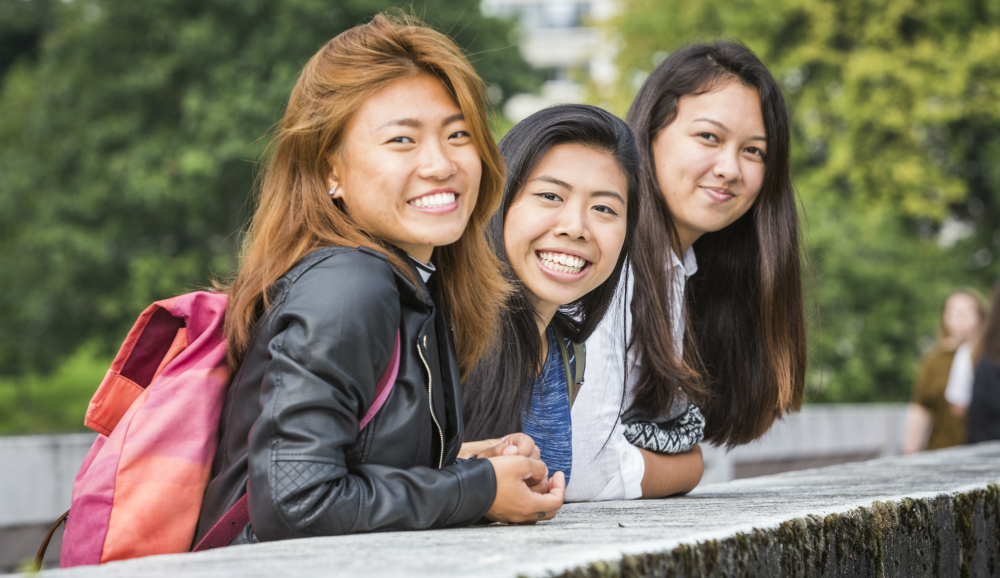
x,y
930,514
950,535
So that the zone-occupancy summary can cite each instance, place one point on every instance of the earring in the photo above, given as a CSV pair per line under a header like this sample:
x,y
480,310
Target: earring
x,y
333,190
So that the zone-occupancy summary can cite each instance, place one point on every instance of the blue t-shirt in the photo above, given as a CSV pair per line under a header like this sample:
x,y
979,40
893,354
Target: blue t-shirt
x,y
547,420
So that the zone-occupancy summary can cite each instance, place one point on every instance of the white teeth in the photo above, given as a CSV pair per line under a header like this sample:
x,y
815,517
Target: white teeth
x,y
561,262
434,201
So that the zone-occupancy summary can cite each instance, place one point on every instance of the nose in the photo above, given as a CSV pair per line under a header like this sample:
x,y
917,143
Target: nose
x,y
572,223
727,166
435,163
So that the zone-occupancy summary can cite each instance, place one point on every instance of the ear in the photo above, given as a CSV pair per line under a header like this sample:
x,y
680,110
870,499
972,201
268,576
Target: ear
x,y
333,183
332,178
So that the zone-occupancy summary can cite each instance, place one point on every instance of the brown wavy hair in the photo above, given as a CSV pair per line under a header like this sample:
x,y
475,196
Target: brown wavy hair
x,y
295,215
745,340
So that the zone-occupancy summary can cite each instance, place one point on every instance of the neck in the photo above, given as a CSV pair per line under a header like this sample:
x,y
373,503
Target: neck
x,y
951,343
543,316
422,253
684,244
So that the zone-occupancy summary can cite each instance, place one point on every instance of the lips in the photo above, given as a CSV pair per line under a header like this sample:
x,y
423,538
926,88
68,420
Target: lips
x,y
434,201
561,262
718,194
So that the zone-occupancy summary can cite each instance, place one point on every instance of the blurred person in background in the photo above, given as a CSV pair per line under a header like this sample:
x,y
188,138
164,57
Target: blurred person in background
x,y
984,407
961,317
958,393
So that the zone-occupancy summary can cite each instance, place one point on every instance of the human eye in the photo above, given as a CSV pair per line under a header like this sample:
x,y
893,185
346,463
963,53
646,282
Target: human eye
x,y
708,136
755,152
548,196
605,209
460,134
401,140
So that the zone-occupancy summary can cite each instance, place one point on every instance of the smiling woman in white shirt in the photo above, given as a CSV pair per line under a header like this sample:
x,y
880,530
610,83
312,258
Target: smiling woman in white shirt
x,y
710,347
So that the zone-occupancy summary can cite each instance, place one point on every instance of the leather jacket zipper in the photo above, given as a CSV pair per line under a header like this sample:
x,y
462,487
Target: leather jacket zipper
x,y
430,402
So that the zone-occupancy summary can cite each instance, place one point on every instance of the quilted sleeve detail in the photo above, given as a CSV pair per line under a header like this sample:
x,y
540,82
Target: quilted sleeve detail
x,y
303,489
333,337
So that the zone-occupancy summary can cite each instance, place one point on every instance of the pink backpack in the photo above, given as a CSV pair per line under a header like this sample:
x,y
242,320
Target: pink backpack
x,y
140,488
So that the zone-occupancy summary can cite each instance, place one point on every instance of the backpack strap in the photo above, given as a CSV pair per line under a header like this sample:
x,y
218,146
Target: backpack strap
x,y
236,518
580,356
227,528
574,371
383,387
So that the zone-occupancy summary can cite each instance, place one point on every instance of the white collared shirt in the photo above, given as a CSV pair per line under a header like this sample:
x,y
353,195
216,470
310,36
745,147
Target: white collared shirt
x,y
605,465
425,269
960,377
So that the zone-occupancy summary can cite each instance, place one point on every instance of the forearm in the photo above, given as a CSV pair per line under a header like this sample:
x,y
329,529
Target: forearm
x,y
669,474
317,499
918,420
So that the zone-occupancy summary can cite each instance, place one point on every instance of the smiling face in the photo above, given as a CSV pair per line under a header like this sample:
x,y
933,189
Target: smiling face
x,y
564,232
961,317
408,172
710,159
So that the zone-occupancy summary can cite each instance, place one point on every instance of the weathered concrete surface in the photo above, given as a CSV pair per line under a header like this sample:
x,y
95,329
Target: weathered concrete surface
x,y
936,513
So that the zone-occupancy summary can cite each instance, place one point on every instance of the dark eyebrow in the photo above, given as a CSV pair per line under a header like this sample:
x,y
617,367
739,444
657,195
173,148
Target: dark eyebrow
x,y
410,122
609,194
726,128
554,181
414,123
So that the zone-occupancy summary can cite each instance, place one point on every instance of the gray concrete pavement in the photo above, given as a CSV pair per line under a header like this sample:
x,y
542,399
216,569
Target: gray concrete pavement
x,y
887,517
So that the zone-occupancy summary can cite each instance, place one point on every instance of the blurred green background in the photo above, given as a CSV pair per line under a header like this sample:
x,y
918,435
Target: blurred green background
x,y
130,132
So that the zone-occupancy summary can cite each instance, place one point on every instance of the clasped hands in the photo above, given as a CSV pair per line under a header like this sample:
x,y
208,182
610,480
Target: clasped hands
x,y
525,492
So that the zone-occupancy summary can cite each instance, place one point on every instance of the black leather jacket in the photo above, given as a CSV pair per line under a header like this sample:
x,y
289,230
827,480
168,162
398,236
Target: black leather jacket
x,y
289,430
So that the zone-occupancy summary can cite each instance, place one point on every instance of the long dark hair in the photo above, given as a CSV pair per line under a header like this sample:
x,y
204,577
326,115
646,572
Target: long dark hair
x,y
745,340
988,345
504,379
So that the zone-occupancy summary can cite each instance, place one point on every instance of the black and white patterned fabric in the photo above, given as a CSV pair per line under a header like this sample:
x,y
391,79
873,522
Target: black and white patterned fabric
x,y
675,437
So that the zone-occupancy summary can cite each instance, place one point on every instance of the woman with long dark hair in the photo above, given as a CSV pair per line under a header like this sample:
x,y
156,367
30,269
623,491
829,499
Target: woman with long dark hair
x,y
366,252
723,332
984,407
562,235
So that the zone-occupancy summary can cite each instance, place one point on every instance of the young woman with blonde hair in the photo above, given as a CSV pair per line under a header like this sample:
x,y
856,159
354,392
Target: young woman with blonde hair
x,y
367,249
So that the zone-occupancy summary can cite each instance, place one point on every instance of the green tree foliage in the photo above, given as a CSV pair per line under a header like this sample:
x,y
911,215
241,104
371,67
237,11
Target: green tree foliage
x,y
21,28
896,128
129,137
128,141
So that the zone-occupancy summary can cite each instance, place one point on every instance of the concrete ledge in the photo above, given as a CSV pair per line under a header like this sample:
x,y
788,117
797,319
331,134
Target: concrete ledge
x,y
956,535
936,513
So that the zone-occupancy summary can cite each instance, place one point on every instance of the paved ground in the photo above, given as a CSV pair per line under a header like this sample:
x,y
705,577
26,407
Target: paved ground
x,y
586,533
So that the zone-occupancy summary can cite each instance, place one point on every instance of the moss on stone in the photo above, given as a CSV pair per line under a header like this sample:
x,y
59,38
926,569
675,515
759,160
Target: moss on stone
x,y
851,543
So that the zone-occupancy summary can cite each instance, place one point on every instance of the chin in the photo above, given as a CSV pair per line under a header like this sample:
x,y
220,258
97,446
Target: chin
x,y
439,240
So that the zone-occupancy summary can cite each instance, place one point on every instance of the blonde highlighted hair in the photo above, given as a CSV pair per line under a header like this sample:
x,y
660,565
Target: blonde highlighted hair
x,y
296,216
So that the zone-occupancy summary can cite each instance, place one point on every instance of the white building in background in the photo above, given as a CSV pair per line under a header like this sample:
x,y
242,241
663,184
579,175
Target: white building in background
x,y
561,38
